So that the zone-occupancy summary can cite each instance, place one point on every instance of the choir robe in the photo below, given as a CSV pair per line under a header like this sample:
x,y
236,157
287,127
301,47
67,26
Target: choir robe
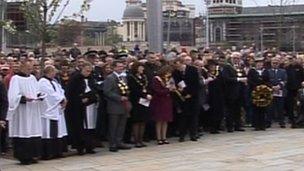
x,y
80,119
53,120
24,117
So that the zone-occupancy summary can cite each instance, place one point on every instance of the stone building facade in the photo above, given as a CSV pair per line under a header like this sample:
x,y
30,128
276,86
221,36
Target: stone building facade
x,y
231,24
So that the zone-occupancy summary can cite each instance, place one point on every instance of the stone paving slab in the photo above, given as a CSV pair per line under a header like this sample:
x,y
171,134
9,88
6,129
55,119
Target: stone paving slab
x,y
274,150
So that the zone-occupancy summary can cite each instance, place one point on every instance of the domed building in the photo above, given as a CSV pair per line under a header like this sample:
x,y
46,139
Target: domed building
x,y
134,22
181,30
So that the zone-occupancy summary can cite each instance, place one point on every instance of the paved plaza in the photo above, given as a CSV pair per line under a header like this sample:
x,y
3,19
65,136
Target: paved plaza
x,y
275,150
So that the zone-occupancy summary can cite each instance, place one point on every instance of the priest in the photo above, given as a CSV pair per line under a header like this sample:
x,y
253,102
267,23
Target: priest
x,y
81,110
53,120
24,115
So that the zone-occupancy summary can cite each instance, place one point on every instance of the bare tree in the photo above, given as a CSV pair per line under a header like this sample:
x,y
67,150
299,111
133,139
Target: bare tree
x,y
41,13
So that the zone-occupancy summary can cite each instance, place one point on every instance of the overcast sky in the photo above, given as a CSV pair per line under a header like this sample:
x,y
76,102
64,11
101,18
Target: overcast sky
x,y
103,10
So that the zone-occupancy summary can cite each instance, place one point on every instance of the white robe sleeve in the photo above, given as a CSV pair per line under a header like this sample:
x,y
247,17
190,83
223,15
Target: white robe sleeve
x,y
14,97
52,100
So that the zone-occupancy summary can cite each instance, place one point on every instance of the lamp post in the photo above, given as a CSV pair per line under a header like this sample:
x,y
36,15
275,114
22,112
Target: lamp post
x,y
207,24
3,34
262,38
155,25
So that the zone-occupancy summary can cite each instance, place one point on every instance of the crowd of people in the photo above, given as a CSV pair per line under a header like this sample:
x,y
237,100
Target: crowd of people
x,y
73,100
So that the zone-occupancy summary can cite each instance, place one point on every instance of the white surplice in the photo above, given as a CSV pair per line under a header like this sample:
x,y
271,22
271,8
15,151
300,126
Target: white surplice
x,y
91,111
24,119
51,108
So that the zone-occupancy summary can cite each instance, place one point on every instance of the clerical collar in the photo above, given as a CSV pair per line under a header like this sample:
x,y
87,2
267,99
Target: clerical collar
x,y
50,79
21,74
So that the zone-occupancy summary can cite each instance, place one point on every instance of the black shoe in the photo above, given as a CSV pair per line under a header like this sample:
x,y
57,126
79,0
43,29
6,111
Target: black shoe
x,y
80,152
113,149
46,157
124,147
200,134
143,145
282,126
193,139
230,130
257,129
214,132
138,145
181,139
90,151
25,162
239,129
34,161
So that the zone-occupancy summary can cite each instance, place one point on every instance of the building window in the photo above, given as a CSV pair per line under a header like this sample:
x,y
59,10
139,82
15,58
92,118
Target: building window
x,y
227,1
218,36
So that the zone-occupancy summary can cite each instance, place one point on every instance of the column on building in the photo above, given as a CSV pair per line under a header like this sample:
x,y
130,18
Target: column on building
x,y
144,31
132,31
211,32
224,31
139,31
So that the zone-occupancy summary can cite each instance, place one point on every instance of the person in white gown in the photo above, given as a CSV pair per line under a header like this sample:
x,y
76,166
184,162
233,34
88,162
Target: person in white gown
x,y
24,115
53,121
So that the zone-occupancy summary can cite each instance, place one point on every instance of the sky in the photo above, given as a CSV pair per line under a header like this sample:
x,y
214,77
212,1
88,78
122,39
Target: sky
x,y
102,10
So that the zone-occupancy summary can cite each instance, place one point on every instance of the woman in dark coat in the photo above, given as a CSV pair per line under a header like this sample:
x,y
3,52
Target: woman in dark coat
x,y
138,86
161,104
81,128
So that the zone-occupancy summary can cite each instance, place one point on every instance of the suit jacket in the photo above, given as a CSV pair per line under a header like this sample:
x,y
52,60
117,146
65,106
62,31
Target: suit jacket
x,y
112,95
191,78
255,79
232,88
3,102
278,78
295,76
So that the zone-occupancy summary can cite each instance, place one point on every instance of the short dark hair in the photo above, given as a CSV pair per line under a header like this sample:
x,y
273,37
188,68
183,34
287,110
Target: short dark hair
x,y
134,67
114,64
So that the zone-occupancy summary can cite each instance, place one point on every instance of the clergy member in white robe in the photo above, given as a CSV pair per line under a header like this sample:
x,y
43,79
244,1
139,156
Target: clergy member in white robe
x,y
24,115
53,121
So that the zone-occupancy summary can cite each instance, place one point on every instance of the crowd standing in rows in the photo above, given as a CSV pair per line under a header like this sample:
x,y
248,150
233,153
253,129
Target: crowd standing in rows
x,y
79,100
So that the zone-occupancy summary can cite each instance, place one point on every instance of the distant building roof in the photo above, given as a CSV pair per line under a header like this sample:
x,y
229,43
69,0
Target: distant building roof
x,y
133,12
263,11
273,9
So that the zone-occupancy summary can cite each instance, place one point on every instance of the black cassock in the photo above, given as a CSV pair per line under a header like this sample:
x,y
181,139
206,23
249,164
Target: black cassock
x,y
79,136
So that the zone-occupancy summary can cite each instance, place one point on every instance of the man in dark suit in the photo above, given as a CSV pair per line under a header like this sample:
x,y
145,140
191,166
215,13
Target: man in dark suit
x,y
278,80
118,106
295,77
234,80
151,68
187,81
3,108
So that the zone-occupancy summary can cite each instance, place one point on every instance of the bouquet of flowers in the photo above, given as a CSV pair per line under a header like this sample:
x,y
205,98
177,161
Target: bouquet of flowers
x,y
262,96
